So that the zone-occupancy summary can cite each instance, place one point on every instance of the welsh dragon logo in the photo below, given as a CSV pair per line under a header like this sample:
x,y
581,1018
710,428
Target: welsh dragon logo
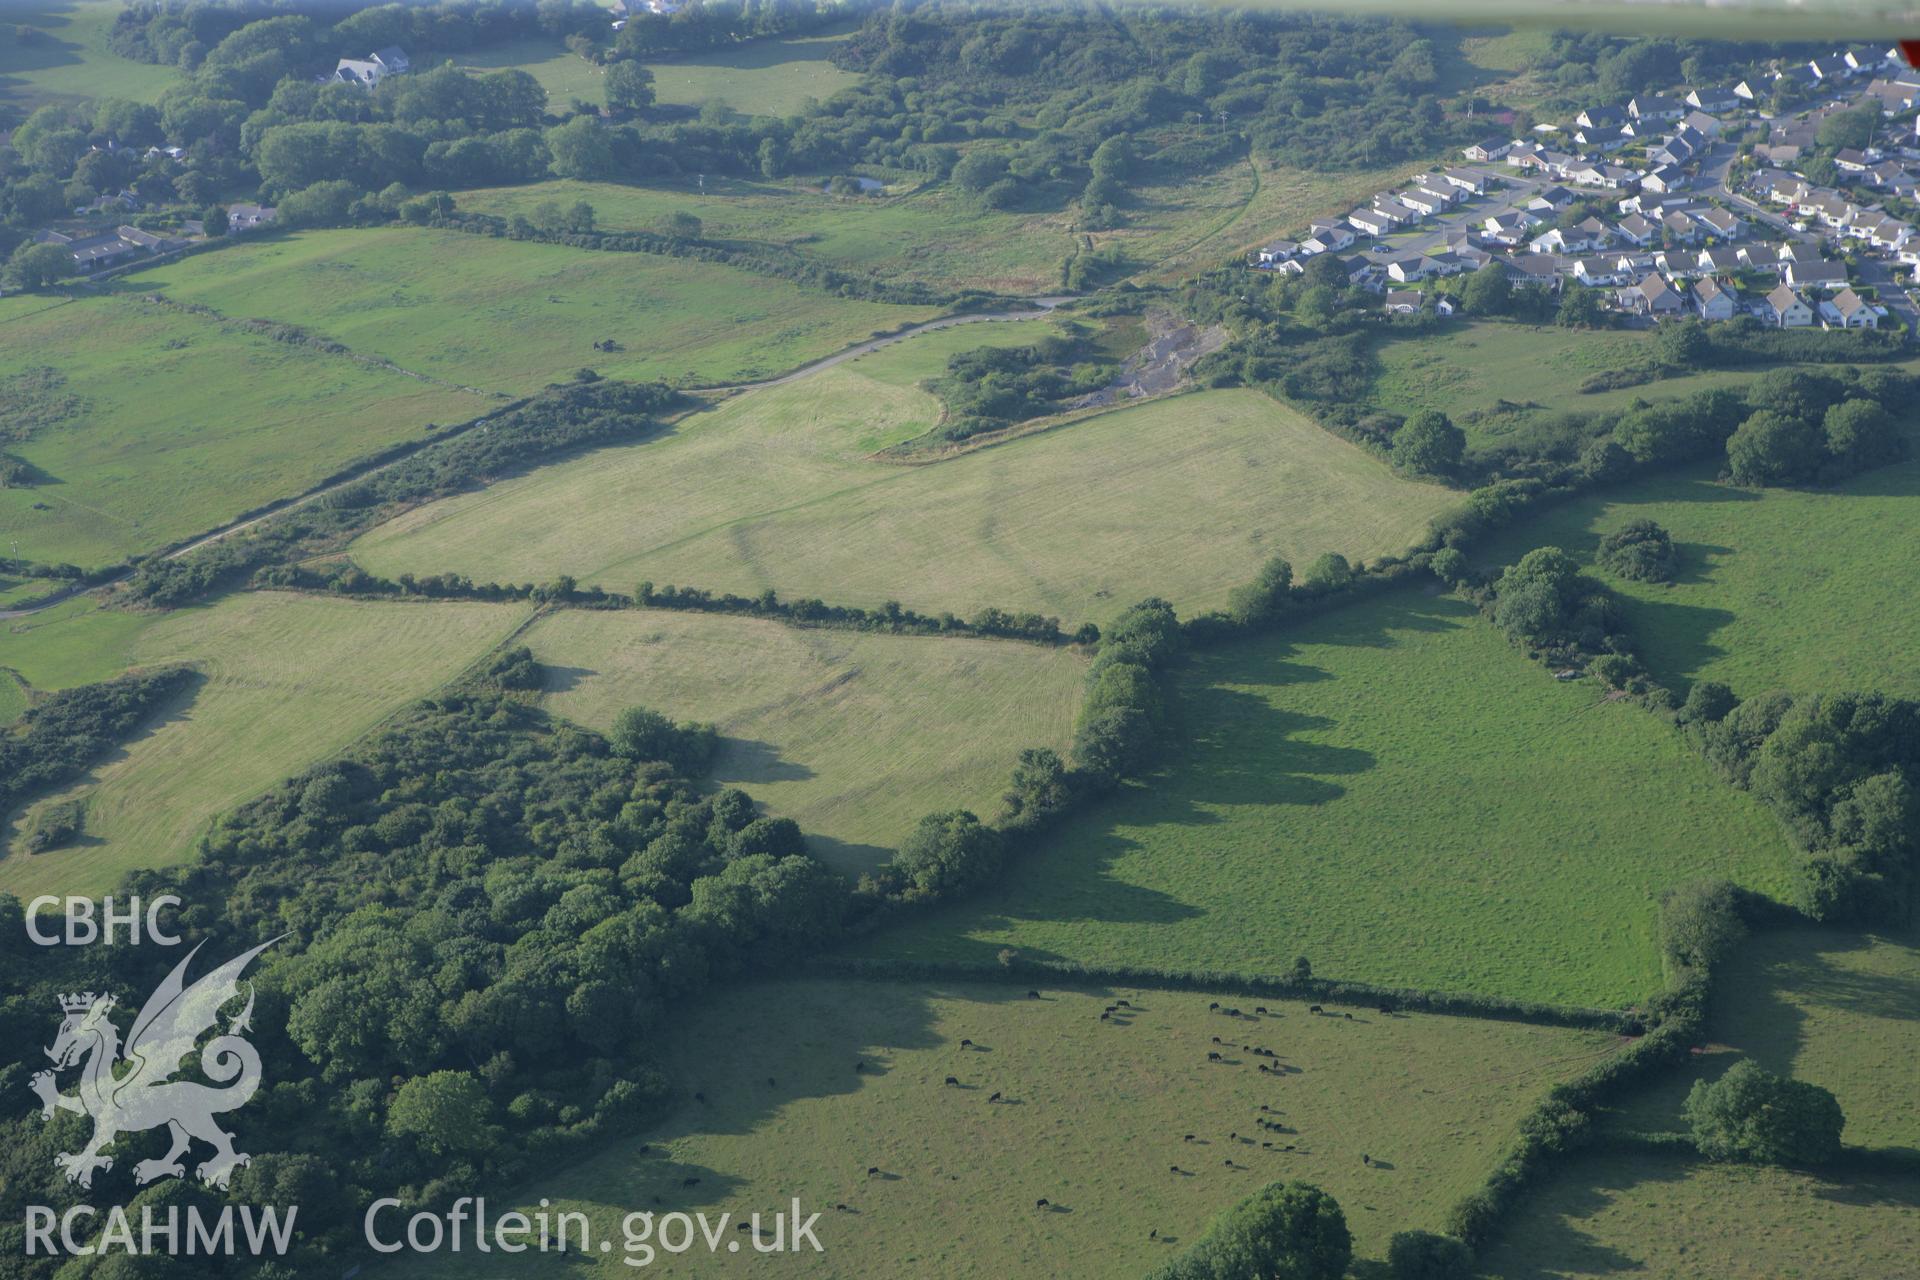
x,y
146,1096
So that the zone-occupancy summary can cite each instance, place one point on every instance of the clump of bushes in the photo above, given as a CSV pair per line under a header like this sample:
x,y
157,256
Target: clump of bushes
x,y
1642,551
54,826
1752,1115
990,388
1819,427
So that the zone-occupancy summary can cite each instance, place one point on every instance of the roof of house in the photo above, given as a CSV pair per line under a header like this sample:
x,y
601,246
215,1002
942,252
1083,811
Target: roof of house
x,y
1653,286
1635,225
1783,297
1403,297
1706,289
1848,303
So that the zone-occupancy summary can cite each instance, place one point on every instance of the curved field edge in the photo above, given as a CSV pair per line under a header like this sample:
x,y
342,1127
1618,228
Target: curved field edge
x,y
785,1114
1395,792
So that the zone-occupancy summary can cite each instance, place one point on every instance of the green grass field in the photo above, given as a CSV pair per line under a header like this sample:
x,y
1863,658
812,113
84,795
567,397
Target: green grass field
x,y
853,736
164,424
512,316
67,58
1182,497
932,235
74,642
288,681
1839,1009
1395,792
1614,1215
1094,1118
764,77
13,698
1778,588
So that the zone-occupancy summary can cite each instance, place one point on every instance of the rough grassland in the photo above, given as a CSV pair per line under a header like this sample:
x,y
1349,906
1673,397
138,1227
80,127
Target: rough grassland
x,y
1645,1216
853,736
1094,1116
513,316
1183,498
288,680
70,60
1395,792
180,423
1839,1009
1796,589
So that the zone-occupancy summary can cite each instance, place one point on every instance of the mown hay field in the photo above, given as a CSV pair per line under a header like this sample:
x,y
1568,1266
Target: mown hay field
x,y
1182,497
146,424
286,681
513,316
1395,792
854,736
1093,1114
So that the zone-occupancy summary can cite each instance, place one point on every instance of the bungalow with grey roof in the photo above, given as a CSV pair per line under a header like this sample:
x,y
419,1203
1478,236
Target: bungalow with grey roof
x,y
1718,222
1635,229
1601,117
1849,310
1654,106
1488,149
1403,302
1713,99
1370,222
1815,274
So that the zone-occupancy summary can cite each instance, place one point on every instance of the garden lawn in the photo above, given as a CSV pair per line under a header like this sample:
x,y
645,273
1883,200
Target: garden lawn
x,y
147,424
513,316
1395,792
1182,497
1093,1115
854,736
1778,588
287,681
1612,1215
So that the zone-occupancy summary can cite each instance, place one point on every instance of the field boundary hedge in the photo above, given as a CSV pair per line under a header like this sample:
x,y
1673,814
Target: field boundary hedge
x,y
1022,971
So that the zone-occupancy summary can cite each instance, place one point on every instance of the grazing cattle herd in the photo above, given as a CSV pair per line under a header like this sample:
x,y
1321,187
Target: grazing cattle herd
x,y
1120,1013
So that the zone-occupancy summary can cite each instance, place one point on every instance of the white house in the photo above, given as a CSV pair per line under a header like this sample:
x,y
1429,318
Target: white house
x,y
1277,252
1653,106
1488,149
1788,309
372,69
1370,222
1711,300
1635,229
1849,310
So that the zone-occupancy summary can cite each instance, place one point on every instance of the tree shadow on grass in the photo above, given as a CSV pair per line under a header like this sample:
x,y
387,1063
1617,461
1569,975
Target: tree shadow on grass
x,y
747,761
1544,1238
1677,638
563,679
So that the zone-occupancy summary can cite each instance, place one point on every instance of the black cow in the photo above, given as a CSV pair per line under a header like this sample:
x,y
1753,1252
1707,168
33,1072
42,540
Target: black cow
x,y
1213,1057
995,1097
1314,1008
953,1080
1033,995
1040,1204
873,1171
966,1044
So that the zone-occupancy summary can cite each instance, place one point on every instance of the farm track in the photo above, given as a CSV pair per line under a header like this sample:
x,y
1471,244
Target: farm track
x,y
1041,306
